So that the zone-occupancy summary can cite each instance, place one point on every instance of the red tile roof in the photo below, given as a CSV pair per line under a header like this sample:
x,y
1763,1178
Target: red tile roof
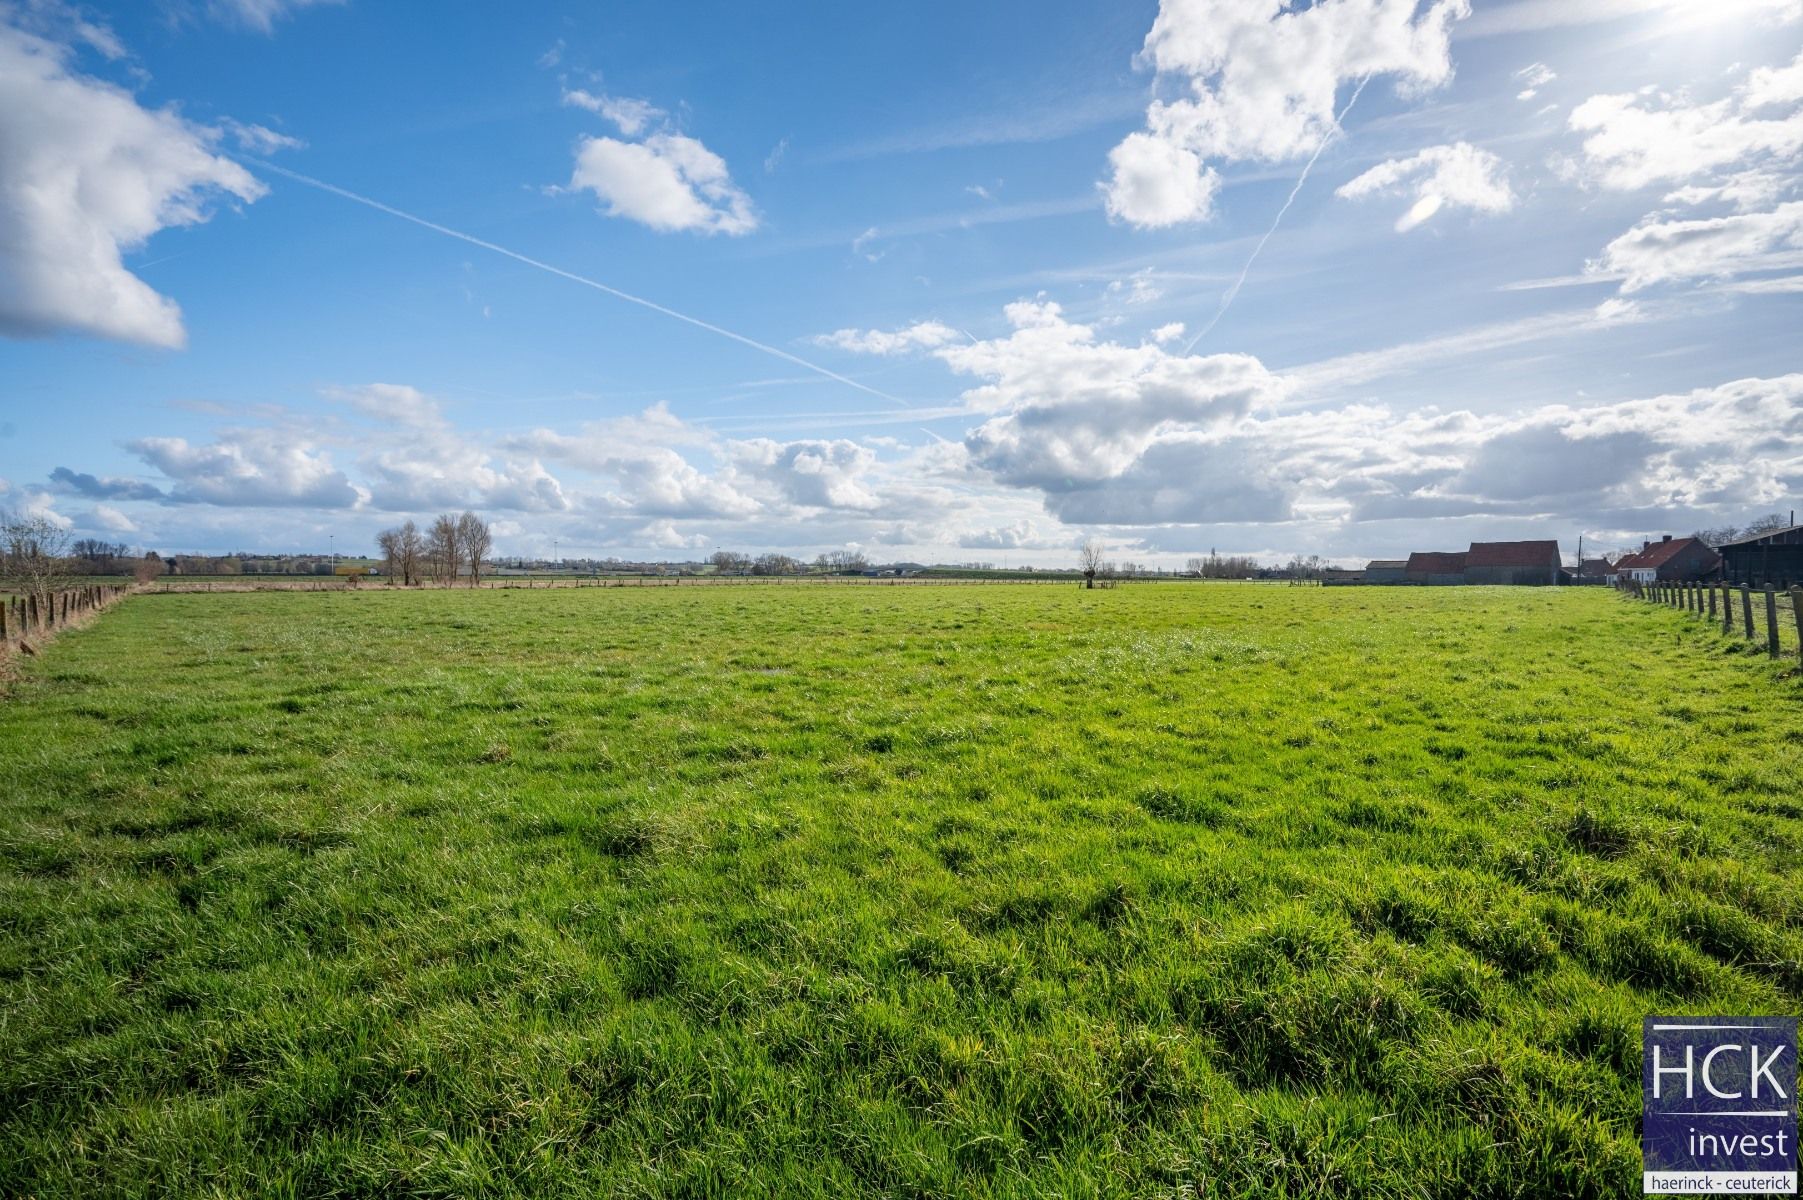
x,y
1659,553
1513,554
1437,562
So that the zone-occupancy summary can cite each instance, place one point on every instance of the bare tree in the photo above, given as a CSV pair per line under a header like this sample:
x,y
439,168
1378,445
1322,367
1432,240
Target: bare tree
x,y
729,562
842,562
1091,560
443,550
389,543
147,568
474,541
412,549
775,564
34,554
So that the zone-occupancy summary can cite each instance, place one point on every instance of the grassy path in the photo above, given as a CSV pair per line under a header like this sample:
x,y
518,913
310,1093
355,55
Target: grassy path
x,y
1011,891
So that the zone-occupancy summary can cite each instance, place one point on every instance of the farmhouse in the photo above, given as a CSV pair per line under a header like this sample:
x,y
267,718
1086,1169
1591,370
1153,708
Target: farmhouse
x,y
1387,570
1670,559
1533,563
1774,557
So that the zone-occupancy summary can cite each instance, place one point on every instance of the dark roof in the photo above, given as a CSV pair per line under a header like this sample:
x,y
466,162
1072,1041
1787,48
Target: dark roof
x,y
1594,566
1437,562
1386,564
1775,534
1513,554
1658,554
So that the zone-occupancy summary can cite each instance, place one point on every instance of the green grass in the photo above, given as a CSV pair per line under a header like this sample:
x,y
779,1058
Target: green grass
x,y
1223,890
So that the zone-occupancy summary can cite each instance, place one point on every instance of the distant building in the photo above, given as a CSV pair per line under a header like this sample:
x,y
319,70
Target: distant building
x,y
1387,570
1670,559
1435,566
1594,570
1520,563
1774,557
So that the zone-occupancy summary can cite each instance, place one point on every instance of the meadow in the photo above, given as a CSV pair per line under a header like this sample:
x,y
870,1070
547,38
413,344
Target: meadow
x,y
1224,890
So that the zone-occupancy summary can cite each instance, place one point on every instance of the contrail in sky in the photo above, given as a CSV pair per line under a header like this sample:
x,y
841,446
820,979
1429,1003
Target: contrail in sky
x,y
323,186
1227,298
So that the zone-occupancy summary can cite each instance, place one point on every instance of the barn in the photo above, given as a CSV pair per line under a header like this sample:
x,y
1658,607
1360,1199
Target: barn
x,y
1435,566
1387,570
1774,557
1532,563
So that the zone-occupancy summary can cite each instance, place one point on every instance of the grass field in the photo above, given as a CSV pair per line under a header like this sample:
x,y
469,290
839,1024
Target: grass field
x,y
1224,890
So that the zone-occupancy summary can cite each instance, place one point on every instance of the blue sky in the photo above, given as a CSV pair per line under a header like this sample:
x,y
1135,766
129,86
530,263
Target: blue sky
x,y
973,273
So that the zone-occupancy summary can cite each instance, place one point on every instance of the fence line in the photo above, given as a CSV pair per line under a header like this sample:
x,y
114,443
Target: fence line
x,y
43,615
1737,605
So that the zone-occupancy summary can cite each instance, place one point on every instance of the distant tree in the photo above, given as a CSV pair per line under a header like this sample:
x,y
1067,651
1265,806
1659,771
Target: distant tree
x,y
95,557
147,568
474,541
34,554
1091,560
1765,524
729,562
775,564
842,562
443,551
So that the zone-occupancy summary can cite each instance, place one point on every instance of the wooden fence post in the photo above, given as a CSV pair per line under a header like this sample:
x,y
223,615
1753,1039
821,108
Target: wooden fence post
x,y
1711,586
1771,619
1746,609
1727,608
1796,610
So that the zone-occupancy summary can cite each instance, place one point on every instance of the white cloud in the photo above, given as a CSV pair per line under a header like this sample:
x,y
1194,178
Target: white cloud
x,y
811,474
429,464
1262,78
258,139
1659,251
1533,77
1139,288
105,516
260,15
1164,335
1156,182
1744,191
85,174
1633,142
923,335
668,182
631,116
249,468
1459,175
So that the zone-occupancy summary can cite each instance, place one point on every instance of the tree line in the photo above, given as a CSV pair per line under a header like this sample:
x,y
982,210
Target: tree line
x,y
448,548
833,562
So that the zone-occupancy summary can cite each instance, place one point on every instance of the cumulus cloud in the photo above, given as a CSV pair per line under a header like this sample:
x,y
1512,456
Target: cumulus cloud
x,y
1659,251
1262,77
811,473
433,465
1634,140
110,487
667,181
1459,176
249,468
87,173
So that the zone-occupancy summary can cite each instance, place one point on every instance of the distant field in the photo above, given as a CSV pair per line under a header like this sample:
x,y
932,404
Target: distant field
x,y
911,891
